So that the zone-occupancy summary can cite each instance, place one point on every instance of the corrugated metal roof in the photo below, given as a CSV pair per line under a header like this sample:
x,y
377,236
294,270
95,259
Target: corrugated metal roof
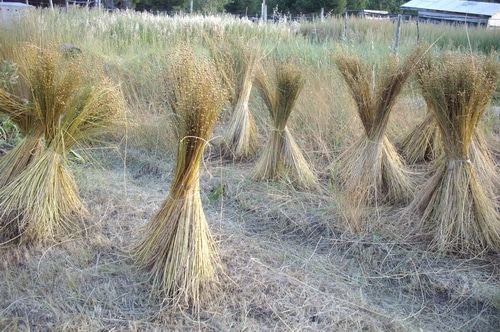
x,y
454,6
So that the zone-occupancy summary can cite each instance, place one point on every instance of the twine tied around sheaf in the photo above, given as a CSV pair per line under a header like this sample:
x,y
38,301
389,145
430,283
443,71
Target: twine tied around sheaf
x,y
452,162
373,142
186,197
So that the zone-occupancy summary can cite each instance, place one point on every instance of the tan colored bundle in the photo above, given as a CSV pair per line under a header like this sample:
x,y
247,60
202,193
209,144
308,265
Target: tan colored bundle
x,y
371,170
280,84
423,142
236,62
457,204
177,247
72,106
16,101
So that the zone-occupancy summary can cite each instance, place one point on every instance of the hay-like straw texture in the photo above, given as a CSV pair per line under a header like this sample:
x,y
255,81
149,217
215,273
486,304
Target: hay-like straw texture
x,y
371,170
72,106
16,101
423,142
280,83
236,61
457,204
177,247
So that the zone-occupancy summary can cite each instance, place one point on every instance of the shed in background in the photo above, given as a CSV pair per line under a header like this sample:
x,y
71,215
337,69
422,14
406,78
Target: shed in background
x,y
11,11
470,12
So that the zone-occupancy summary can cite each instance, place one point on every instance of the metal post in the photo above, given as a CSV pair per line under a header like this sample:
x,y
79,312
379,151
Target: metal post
x,y
398,32
264,11
344,35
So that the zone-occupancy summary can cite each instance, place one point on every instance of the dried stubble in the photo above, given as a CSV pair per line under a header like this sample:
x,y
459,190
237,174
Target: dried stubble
x,y
371,170
457,204
177,246
280,83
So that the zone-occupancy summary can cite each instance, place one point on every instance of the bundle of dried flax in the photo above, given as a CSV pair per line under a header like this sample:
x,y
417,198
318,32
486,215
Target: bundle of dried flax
x,y
457,204
177,247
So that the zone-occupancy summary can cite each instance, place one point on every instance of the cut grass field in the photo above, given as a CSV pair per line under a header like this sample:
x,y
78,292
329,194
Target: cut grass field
x,y
290,262
289,267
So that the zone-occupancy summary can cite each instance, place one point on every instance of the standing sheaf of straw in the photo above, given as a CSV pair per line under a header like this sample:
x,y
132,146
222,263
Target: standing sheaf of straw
x,y
177,246
457,204
280,83
236,61
423,142
16,101
371,170
71,106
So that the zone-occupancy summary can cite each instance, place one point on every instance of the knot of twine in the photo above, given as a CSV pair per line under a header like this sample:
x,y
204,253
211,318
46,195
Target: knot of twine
x,y
451,165
373,142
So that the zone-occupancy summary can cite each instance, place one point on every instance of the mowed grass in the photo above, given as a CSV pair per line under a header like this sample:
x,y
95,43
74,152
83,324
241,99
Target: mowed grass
x,y
290,262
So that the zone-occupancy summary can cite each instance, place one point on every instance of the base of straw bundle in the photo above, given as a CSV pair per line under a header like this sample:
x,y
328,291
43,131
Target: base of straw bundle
x,y
373,173
240,141
456,211
41,203
178,249
282,159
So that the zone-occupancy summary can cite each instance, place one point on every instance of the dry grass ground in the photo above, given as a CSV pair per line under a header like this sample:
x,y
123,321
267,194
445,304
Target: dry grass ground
x,y
289,265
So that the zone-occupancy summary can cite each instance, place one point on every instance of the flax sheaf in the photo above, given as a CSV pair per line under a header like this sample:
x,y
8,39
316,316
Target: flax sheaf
x,y
236,61
457,205
371,170
71,105
280,83
423,142
177,247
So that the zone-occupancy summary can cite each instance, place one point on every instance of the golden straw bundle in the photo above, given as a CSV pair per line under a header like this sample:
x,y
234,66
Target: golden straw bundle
x,y
280,84
177,246
72,106
371,170
16,101
236,61
457,204
423,142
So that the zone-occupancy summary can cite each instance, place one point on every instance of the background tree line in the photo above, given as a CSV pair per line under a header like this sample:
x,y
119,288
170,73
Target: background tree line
x,y
253,7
